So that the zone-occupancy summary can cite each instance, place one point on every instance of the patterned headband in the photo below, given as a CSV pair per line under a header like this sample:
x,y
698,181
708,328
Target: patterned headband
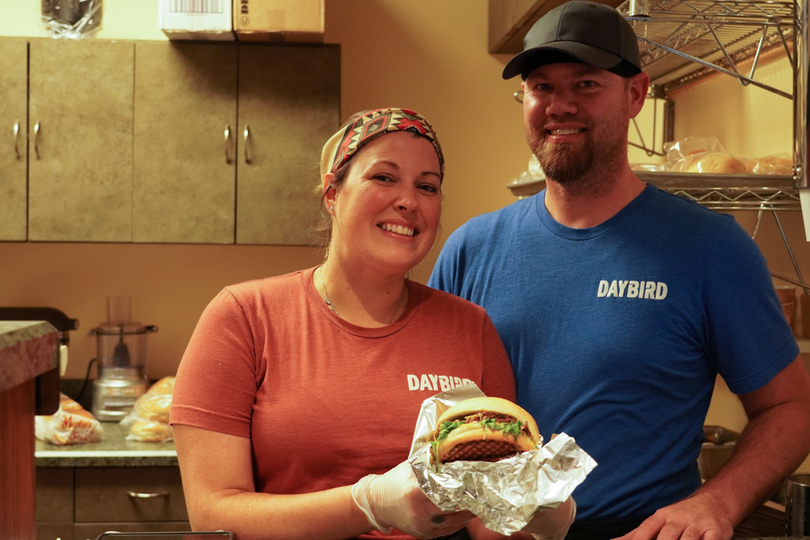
x,y
347,142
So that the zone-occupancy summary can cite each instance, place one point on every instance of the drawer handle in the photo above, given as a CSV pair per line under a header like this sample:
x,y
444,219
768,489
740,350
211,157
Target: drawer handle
x,y
138,495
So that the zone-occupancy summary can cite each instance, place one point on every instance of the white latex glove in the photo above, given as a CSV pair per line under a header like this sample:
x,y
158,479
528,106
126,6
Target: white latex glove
x,y
552,524
394,499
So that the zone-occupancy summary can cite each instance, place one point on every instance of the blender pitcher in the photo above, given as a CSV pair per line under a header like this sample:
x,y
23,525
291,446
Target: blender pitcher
x,y
122,358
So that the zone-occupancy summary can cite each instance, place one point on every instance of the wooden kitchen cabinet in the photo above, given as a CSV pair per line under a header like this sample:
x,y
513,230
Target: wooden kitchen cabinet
x,y
185,143
289,105
13,134
80,115
163,141
80,503
224,157
54,503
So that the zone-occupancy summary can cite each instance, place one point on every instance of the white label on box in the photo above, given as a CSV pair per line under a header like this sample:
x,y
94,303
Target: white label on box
x,y
202,19
197,6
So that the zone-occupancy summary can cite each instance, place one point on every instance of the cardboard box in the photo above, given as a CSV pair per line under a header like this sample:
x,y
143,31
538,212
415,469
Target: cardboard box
x,y
197,19
279,20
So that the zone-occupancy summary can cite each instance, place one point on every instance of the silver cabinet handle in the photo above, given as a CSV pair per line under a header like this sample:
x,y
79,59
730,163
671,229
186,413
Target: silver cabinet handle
x,y
36,139
140,495
247,136
17,139
228,159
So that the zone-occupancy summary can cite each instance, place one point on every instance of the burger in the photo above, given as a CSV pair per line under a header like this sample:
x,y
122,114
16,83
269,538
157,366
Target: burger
x,y
483,429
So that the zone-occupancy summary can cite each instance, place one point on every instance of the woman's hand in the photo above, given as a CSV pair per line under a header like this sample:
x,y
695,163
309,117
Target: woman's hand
x,y
394,499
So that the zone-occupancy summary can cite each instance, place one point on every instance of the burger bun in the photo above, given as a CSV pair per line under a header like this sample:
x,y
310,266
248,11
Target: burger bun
x,y
475,441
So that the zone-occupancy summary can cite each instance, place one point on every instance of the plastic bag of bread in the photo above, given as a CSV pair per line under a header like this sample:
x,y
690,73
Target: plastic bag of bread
x,y
780,163
149,419
678,151
70,424
714,163
703,155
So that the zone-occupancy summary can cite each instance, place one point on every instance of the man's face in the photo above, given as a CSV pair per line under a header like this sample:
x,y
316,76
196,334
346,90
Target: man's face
x,y
576,119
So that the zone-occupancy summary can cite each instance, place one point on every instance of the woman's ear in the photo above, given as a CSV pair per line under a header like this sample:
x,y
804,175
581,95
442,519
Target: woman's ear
x,y
329,191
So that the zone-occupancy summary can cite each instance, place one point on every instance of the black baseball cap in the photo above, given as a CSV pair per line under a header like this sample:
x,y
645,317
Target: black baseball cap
x,y
579,31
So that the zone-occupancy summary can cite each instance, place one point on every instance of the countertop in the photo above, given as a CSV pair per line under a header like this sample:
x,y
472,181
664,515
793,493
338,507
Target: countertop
x,y
27,349
112,451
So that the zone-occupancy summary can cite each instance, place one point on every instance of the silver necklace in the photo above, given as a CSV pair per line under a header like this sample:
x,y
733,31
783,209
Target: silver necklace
x,y
331,306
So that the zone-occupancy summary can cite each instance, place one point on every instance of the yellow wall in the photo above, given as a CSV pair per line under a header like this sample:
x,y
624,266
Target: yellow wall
x,y
423,54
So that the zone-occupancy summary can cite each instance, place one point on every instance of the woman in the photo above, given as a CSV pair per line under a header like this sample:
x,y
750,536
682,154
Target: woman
x,y
297,392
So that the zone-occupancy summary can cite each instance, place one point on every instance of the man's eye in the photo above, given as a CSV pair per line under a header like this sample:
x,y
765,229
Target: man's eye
x,y
588,84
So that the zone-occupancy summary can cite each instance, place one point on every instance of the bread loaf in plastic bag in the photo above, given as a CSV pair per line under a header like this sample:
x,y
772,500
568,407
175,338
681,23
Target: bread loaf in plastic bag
x,y
70,424
149,419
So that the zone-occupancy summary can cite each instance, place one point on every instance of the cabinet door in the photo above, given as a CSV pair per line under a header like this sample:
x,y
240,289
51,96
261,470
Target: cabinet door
x,y
13,128
185,130
54,503
289,103
80,140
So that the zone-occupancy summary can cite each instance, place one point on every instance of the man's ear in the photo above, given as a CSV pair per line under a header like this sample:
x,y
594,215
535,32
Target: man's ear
x,y
637,92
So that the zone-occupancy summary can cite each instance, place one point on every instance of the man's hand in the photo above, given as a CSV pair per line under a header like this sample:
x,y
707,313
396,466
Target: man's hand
x,y
689,519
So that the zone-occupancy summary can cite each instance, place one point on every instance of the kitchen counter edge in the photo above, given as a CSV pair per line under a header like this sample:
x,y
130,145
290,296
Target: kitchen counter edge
x,y
112,451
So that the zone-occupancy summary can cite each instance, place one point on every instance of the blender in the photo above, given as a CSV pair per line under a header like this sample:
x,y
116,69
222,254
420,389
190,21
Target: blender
x,y
121,348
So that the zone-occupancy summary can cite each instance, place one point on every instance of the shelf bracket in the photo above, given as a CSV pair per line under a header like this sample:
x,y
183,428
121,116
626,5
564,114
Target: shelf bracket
x,y
798,282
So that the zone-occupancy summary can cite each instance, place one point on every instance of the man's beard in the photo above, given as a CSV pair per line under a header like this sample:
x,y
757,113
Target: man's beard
x,y
566,163
570,163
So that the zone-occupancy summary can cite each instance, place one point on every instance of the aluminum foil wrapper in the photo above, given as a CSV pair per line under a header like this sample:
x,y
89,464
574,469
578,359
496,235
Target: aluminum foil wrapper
x,y
505,494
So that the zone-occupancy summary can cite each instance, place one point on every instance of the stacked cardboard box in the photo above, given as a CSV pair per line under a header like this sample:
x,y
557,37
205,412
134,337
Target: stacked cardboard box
x,y
279,20
245,20
196,19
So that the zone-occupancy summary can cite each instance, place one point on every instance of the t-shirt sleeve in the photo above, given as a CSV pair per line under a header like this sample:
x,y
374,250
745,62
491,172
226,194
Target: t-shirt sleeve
x,y
215,387
750,339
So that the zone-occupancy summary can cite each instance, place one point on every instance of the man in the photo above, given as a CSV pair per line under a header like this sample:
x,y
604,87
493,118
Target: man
x,y
619,303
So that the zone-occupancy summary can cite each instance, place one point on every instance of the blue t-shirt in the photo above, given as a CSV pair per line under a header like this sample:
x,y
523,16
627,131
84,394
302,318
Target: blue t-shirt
x,y
616,333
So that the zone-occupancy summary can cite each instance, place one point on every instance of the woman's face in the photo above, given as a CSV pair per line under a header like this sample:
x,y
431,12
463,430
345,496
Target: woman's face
x,y
387,211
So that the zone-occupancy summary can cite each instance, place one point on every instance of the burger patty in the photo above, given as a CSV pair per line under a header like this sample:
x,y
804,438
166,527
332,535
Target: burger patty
x,y
481,451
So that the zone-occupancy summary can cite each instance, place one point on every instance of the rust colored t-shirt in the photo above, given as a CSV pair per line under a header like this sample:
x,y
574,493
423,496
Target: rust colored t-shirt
x,y
326,402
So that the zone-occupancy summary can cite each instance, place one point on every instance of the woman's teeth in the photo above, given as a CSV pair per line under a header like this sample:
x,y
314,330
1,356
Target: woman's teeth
x,y
399,229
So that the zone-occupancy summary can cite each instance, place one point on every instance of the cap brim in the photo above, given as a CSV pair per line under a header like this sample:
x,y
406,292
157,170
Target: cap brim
x,y
525,62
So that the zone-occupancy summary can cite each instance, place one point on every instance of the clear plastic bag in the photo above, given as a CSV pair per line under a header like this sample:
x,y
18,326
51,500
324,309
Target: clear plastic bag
x,y
702,155
706,155
71,19
780,163
149,419
70,424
